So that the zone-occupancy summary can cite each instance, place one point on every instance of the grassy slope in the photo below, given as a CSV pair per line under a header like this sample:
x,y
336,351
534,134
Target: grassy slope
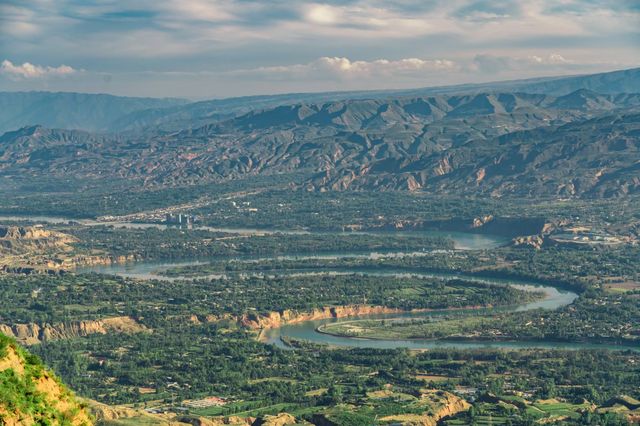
x,y
30,394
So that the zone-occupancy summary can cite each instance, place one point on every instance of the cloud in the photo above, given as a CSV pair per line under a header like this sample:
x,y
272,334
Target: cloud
x,y
17,21
198,10
582,7
485,10
231,44
344,68
29,71
552,59
323,14
486,63
205,27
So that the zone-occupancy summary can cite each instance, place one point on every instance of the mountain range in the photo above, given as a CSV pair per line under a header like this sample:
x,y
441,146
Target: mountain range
x,y
107,113
503,144
499,143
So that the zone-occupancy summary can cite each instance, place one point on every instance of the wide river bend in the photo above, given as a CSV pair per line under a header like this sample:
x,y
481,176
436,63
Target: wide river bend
x,y
554,298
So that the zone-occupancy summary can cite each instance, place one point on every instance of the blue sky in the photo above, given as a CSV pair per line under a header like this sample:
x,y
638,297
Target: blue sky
x,y
214,48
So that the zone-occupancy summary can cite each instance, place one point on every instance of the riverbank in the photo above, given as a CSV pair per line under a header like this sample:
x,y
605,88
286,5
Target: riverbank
x,y
357,329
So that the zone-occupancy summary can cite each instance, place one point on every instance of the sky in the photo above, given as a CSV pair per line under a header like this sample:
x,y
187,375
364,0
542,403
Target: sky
x,y
201,49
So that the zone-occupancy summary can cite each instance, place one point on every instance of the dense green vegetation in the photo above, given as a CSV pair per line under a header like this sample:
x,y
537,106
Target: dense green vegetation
x,y
334,210
91,198
58,299
190,343
350,177
247,203
185,360
576,268
174,243
593,317
510,410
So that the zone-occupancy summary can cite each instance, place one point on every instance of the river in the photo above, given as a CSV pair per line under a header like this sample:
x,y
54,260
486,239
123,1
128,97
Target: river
x,y
554,298
461,240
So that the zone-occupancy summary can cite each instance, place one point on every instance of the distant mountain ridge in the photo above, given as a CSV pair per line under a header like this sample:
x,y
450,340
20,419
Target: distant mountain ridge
x,y
381,113
107,113
501,144
198,114
71,110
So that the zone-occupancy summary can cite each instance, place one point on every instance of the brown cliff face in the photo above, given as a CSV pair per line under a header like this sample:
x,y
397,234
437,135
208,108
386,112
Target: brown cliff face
x,y
443,167
535,241
60,264
452,405
481,221
31,334
108,414
19,239
33,233
36,250
442,404
277,319
103,412
79,261
281,419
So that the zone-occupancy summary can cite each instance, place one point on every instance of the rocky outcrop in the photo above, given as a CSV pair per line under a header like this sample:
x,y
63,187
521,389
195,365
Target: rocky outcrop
x,y
32,333
451,405
82,261
277,319
443,167
102,412
507,226
19,239
535,241
108,414
413,184
36,250
441,404
281,419
481,221
215,421
29,270
32,233
194,319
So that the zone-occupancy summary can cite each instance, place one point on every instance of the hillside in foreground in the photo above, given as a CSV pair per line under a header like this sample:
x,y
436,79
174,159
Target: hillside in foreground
x,y
32,395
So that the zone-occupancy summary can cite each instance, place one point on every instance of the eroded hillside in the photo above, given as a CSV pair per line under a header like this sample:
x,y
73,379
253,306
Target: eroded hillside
x,y
581,144
32,395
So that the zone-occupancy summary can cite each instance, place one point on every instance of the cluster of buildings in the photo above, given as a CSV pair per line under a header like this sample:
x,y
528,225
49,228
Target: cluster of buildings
x,y
210,401
587,237
180,219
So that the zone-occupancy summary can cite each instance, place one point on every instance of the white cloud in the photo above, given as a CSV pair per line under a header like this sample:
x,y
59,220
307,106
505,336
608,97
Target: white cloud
x,y
197,10
232,44
323,14
17,21
344,68
552,59
552,62
30,71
